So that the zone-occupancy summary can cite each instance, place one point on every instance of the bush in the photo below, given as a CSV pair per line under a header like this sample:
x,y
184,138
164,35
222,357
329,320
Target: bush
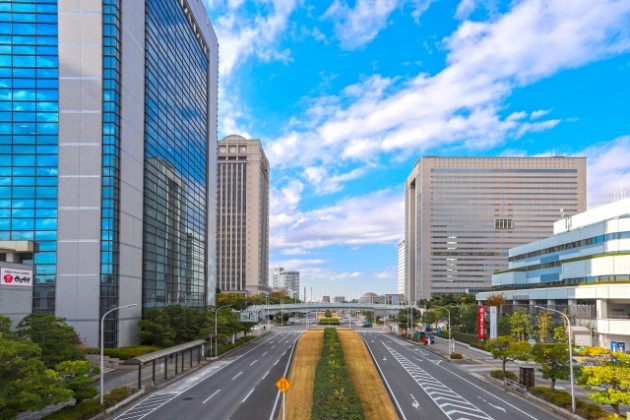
x,y
86,409
563,399
456,356
334,396
329,321
116,395
125,353
498,374
222,348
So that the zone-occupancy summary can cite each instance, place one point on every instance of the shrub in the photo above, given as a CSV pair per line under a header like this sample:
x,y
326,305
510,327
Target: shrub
x,y
456,356
125,353
334,396
498,374
116,395
222,348
562,399
329,321
86,409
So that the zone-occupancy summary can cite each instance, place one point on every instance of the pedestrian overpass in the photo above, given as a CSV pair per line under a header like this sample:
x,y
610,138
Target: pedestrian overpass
x,y
379,308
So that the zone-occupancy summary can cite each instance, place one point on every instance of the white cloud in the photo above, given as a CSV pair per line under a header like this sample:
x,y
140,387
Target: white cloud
x,y
326,183
357,26
242,35
377,217
608,171
462,105
539,113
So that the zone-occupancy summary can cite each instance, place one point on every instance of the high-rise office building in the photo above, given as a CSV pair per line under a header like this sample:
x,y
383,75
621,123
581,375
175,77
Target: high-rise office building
x,y
243,216
108,121
462,215
401,267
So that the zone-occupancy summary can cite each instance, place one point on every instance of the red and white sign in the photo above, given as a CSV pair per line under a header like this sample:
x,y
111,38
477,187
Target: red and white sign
x,y
481,322
13,277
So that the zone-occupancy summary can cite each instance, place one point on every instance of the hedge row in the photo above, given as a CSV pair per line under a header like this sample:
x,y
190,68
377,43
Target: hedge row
x,y
222,348
334,396
87,409
562,399
329,321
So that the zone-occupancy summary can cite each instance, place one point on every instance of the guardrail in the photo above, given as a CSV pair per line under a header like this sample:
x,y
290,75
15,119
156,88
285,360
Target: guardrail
x,y
517,386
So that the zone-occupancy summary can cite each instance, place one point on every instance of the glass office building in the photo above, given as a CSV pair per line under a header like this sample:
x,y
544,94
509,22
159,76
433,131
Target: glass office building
x,y
464,214
108,125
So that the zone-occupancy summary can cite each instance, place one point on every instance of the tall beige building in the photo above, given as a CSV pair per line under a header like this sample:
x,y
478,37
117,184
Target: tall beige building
x,y
462,215
243,216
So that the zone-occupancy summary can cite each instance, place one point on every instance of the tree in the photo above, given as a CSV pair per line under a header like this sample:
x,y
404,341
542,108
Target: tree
x,y
155,328
498,300
610,381
544,323
5,325
519,324
560,334
507,349
25,382
554,361
57,340
77,377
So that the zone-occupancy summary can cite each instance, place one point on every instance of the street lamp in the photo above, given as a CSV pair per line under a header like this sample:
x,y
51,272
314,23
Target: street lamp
x,y
267,298
570,351
450,340
216,342
103,345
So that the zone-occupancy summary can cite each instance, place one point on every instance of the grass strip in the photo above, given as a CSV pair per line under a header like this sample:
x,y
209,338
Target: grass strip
x,y
299,397
334,396
368,384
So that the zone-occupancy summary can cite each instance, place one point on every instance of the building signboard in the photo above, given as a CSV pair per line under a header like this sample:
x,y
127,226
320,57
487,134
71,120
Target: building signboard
x,y
481,322
493,322
16,277
249,317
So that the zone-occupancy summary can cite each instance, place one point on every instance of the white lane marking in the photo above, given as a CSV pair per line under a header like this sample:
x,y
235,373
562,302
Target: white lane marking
x,y
237,375
415,403
265,375
252,363
213,394
247,396
265,353
276,362
443,396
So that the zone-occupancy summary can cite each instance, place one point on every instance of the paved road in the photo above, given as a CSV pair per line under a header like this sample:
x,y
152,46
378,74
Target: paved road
x,y
241,386
424,385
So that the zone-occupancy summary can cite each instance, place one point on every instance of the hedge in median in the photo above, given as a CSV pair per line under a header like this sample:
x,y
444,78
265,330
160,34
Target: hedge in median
x,y
334,396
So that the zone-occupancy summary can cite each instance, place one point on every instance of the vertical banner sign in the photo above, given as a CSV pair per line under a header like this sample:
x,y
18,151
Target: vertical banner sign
x,y
481,322
493,322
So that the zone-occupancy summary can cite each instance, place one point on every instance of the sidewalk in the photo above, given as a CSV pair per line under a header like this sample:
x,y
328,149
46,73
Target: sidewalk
x,y
480,363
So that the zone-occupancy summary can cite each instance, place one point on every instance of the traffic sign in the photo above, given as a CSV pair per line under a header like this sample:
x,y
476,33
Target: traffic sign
x,y
283,384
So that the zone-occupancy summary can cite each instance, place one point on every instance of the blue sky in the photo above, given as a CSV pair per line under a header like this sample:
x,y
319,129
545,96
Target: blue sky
x,y
347,95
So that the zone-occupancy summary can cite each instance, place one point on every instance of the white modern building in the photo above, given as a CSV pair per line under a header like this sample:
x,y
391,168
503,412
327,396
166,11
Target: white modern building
x,y
401,267
584,266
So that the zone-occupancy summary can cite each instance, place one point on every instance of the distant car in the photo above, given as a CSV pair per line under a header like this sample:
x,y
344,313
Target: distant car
x,y
427,338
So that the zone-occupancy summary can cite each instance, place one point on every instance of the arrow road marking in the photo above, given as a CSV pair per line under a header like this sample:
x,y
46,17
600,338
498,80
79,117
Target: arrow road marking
x,y
415,404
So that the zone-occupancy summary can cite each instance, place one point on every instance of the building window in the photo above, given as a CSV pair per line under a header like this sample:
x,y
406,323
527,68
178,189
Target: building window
x,y
503,224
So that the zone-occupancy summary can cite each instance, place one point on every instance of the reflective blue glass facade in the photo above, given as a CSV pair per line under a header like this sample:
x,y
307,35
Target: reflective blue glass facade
x,y
29,135
176,158
110,217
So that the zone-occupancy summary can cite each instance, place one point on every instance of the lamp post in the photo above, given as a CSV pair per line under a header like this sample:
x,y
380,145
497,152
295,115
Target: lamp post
x,y
570,351
267,298
450,340
103,345
216,342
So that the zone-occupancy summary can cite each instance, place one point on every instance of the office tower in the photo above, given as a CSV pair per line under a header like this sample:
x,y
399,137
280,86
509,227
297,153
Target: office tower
x,y
274,276
290,281
401,267
243,216
108,133
462,215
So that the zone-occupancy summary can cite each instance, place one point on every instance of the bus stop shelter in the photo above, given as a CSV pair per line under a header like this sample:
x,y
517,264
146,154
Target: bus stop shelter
x,y
177,353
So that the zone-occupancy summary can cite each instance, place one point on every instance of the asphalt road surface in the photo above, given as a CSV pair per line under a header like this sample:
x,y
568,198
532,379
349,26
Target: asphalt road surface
x,y
424,385
241,386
